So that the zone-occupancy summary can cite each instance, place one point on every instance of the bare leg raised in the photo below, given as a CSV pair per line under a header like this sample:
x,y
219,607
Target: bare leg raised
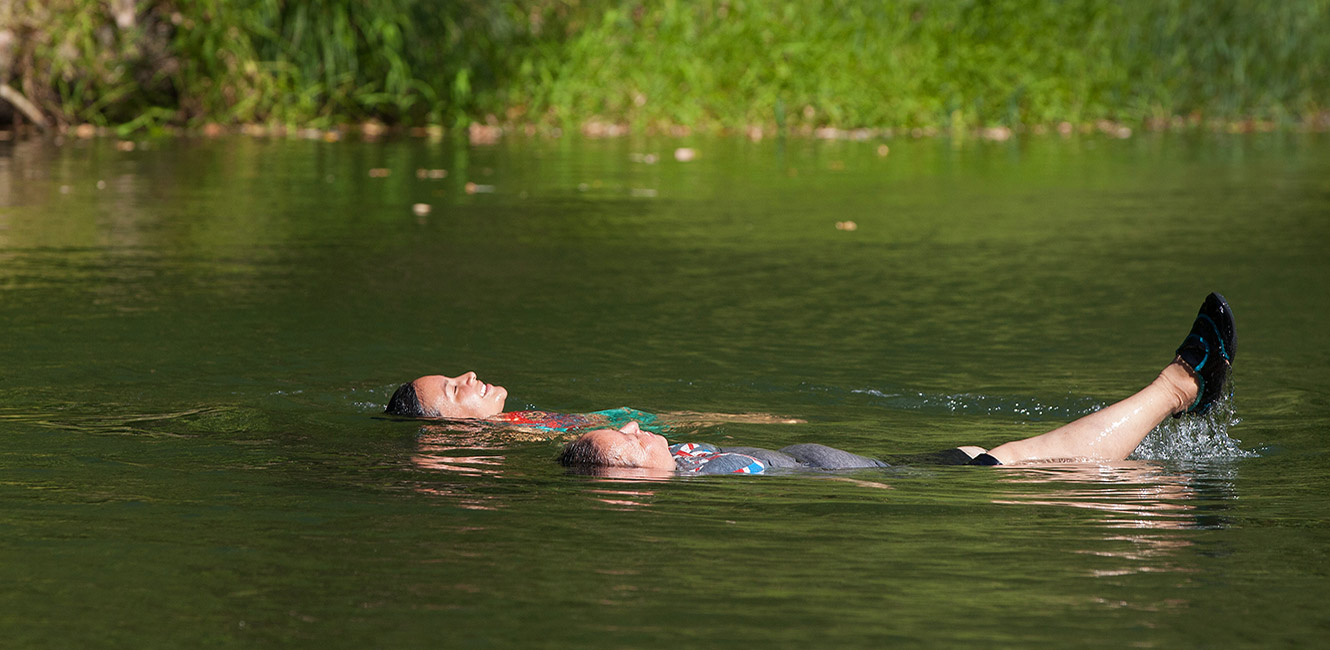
x,y
1110,433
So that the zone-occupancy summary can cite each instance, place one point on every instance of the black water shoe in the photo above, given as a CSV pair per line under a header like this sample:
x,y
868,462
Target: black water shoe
x,y
1208,350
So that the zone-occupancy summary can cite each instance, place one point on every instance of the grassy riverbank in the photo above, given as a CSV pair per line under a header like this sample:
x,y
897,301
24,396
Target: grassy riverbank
x,y
732,64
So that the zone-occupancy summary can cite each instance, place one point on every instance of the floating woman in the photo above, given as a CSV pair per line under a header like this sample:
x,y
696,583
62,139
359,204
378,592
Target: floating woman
x,y
1189,384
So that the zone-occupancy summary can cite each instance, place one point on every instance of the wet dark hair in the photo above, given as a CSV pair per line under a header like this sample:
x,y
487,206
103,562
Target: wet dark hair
x,y
581,453
404,402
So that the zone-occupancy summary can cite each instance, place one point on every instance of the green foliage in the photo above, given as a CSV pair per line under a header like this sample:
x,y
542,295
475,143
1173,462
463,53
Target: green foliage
x,y
720,63
976,62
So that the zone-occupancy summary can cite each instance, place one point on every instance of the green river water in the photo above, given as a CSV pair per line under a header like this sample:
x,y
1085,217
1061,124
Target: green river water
x,y
199,337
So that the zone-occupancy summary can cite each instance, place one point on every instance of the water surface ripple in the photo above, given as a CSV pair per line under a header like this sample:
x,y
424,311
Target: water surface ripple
x,y
200,336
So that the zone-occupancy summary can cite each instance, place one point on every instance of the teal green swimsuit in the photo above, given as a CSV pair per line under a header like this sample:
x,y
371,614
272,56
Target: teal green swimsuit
x,y
617,418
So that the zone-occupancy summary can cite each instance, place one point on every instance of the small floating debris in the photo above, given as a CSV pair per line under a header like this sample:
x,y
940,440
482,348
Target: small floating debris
x,y
857,135
644,158
996,133
1113,129
883,150
431,174
372,129
598,129
421,209
101,185
476,188
379,172
684,154
847,225
643,192
433,132
478,133
124,145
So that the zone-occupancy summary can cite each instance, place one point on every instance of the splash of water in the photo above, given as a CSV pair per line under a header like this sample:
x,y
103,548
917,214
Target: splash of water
x,y
1187,439
973,403
1193,438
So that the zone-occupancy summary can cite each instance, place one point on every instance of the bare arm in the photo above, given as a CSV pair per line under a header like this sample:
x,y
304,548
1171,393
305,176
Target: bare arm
x,y
703,419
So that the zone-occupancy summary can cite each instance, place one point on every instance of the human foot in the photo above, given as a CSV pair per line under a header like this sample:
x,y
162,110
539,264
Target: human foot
x,y
1208,351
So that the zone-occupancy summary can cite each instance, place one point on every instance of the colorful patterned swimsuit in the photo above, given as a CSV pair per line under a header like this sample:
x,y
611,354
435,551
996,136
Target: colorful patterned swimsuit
x,y
693,457
558,423
703,458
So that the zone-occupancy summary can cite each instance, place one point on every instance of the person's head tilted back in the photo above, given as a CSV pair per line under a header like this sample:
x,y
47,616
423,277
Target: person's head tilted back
x,y
628,446
437,396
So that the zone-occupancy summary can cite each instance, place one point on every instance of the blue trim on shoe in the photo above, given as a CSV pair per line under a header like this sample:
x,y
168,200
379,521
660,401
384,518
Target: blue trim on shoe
x,y
1204,359
1200,392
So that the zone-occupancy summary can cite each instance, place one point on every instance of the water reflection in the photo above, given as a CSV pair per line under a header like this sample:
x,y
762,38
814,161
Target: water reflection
x,y
453,452
462,464
478,435
444,450
1134,494
1147,498
461,497
624,499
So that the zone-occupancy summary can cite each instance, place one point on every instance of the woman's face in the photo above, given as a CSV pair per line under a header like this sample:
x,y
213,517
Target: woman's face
x,y
463,396
630,446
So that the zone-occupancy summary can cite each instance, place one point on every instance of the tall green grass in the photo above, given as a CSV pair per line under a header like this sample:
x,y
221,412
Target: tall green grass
x,y
704,63
998,62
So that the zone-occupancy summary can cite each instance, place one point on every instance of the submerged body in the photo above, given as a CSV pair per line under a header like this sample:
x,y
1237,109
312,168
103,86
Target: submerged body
x,y
1190,384
705,458
469,405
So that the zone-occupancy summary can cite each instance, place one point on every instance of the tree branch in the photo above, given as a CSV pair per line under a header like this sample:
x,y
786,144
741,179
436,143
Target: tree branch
x,y
24,106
